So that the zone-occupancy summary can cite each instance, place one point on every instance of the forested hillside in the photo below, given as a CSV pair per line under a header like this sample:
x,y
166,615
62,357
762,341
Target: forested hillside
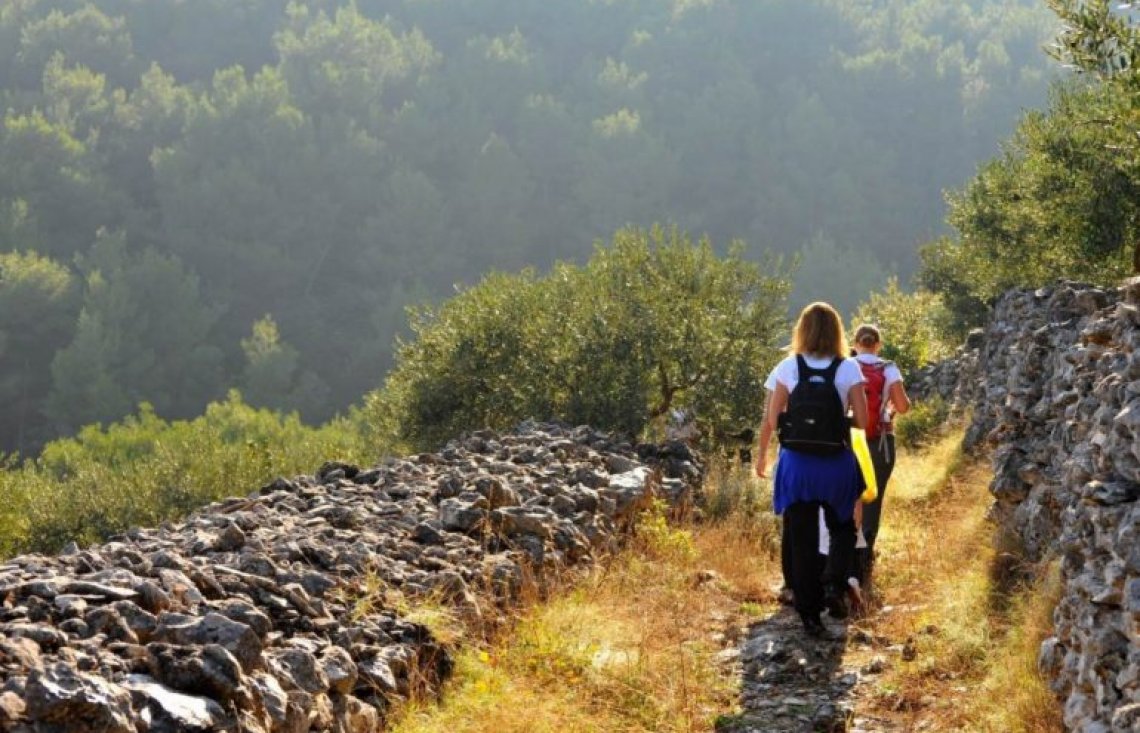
x,y
1063,198
202,194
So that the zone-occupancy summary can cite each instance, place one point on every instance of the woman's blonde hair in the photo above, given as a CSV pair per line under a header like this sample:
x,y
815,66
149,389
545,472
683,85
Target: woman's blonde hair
x,y
819,331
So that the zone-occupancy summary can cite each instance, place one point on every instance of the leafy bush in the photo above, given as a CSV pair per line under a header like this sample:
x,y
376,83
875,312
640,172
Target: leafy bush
x,y
912,324
650,323
145,470
922,421
661,540
1061,201
732,490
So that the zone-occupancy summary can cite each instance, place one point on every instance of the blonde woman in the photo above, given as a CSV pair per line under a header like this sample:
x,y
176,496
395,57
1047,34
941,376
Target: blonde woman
x,y
810,394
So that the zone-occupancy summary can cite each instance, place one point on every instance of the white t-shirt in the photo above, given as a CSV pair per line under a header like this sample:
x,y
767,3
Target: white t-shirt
x,y
787,373
890,374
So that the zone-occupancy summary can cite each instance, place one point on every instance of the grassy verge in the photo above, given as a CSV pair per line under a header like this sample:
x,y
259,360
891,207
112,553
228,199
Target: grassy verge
x,y
1013,695
632,648
970,616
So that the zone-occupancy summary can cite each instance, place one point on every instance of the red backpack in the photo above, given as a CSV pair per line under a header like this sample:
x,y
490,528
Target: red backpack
x,y
875,387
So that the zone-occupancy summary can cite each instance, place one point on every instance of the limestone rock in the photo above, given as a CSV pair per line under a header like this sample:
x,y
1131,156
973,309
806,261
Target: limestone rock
x,y
272,612
59,694
214,628
167,711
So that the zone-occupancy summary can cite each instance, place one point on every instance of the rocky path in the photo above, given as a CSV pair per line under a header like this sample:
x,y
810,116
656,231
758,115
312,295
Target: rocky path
x,y
792,683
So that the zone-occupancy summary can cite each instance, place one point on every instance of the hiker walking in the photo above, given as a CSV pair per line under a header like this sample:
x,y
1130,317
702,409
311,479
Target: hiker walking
x,y
886,397
810,393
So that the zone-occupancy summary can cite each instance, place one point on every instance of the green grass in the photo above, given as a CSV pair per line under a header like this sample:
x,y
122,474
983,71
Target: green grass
x,y
924,421
145,470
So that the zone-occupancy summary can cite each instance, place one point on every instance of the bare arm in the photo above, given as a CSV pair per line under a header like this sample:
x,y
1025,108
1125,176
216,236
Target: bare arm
x,y
900,401
777,402
857,399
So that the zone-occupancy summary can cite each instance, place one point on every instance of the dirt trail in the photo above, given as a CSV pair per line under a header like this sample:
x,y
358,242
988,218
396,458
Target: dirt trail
x,y
792,683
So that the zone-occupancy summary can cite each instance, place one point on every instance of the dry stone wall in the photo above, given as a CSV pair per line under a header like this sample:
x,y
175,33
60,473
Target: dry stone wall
x,y
1055,390
274,612
955,380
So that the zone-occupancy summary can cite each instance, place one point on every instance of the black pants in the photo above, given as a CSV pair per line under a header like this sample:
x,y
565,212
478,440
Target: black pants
x,y
883,459
809,574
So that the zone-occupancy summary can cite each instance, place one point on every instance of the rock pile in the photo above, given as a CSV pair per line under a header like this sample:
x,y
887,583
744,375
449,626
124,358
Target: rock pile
x,y
285,610
954,380
1058,398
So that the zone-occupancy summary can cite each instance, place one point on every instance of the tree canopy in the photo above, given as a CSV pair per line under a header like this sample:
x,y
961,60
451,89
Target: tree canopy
x,y
652,322
1063,199
324,163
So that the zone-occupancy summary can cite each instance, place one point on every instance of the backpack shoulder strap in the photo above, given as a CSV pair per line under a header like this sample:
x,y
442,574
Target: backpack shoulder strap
x,y
802,368
827,372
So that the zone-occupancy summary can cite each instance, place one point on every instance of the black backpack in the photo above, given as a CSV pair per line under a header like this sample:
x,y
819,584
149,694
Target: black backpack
x,y
814,421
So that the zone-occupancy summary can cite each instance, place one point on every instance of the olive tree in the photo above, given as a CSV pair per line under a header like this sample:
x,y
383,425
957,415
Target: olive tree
x,y
653,321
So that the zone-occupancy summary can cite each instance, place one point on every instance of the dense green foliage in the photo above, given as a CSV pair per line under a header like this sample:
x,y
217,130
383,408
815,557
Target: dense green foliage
x,y
145,470
37,318
913,325
650,323
178,175
1064,198
1061,202
923,421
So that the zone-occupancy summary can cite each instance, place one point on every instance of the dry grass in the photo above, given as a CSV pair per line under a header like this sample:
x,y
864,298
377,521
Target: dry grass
x,y
973,618
742,540
633,647
1013,696
921,475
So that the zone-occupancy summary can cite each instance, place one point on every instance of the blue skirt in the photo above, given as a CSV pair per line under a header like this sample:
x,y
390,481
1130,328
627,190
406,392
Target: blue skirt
x,y
834,479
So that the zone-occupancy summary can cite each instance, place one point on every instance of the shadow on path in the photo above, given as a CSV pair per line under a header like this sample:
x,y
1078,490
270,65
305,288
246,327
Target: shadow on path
x,y
792,683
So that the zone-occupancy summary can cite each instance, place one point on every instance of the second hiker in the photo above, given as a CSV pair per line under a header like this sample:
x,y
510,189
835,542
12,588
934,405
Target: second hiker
x,y
886,397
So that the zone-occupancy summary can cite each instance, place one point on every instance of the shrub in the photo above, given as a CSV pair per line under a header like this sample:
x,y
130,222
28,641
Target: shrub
x,y
650,323
732,490
144,470
912,324
661,540
922,421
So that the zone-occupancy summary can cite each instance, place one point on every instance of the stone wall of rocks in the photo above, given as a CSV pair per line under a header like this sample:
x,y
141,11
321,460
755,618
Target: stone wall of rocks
x,y
1055,391
954,380
283,611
